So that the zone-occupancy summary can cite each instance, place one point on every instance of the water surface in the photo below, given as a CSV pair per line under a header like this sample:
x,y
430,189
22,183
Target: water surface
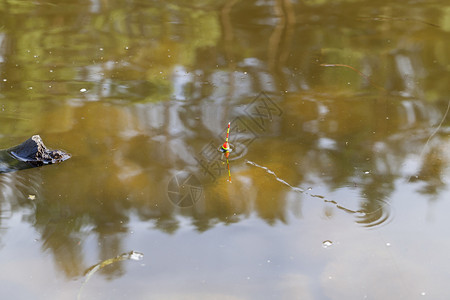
x,y
339,169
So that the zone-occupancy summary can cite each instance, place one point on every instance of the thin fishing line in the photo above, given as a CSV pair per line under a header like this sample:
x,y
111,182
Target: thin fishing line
x,y
300,190
422,153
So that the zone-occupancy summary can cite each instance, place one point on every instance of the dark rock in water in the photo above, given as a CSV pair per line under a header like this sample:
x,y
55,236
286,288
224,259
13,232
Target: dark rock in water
x,y
31,153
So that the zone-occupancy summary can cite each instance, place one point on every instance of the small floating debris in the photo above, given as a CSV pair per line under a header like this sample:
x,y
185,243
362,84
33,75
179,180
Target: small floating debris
x,y
136,255
327,243
31,197
132,255
360,214
31,153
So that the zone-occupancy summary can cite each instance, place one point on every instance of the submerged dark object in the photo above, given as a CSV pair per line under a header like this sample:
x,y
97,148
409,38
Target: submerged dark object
x,y
30,154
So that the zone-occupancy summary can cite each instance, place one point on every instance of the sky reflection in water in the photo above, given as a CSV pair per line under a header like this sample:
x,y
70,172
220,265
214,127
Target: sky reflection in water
x,y
140,93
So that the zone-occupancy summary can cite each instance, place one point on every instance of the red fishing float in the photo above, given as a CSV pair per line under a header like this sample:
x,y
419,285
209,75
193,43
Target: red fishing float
x,y
226,149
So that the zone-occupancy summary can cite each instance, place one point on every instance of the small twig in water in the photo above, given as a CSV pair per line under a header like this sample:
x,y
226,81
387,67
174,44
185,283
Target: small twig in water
x,y
132,255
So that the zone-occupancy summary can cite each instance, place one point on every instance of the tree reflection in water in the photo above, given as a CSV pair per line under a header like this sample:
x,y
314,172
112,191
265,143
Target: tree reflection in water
x,y
137,91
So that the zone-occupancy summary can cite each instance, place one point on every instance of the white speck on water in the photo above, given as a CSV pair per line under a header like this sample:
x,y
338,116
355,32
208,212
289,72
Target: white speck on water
x,y
101,49
268,261
423,294
388,244
360,214
30,87
83,90
327,243
136,255
367,172
5,80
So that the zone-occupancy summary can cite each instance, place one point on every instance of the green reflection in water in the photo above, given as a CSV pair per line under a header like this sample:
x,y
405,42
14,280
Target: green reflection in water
x,y
136,91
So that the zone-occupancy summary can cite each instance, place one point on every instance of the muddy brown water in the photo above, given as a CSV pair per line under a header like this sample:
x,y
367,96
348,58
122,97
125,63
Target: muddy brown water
x,y
339,170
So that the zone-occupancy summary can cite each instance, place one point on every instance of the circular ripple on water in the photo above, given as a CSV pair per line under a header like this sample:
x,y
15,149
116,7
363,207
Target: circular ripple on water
x,y
238,151
374,214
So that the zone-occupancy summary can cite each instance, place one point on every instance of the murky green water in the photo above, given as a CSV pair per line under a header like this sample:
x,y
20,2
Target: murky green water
x,y
339,170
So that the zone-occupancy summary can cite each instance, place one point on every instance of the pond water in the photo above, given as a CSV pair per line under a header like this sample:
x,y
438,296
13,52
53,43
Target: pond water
x,y
339,166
